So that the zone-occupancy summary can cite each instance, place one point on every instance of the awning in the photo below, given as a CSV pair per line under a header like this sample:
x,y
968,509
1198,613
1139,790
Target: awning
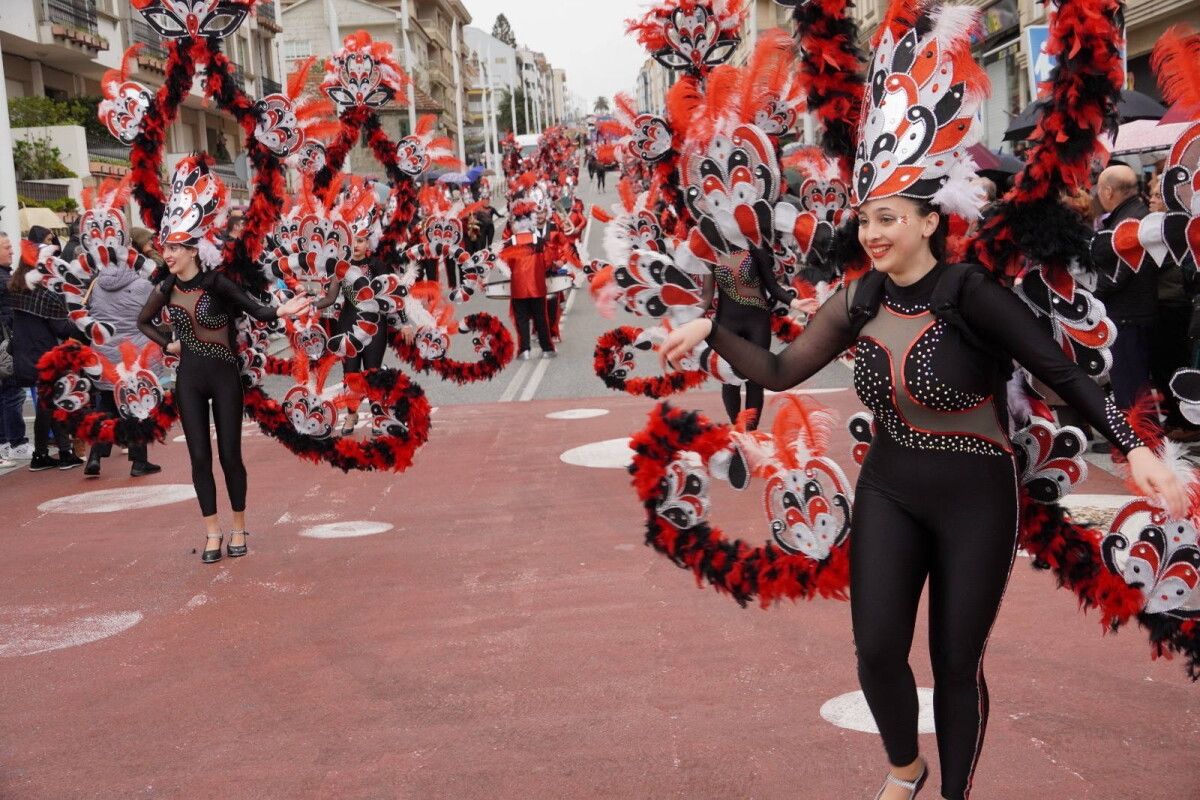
x,y
1146,136
41,216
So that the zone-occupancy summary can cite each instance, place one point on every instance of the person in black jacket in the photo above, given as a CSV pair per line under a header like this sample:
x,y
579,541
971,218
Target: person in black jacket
x,y
40,323
13,442
1130,298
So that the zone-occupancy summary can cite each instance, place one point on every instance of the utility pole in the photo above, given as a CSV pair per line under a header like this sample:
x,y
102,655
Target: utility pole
x,y
335,44
458,90
408,65
10,217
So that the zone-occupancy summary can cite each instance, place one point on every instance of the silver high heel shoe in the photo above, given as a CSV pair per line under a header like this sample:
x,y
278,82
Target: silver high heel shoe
x,y
913,787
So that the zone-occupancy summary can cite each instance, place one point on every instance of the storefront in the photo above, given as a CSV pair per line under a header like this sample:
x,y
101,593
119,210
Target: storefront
x,y
997,48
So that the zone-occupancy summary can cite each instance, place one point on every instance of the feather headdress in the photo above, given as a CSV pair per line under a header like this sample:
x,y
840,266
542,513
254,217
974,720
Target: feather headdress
x,y
691,35
418,152
195,213
125,102
919,112
363,73
287,121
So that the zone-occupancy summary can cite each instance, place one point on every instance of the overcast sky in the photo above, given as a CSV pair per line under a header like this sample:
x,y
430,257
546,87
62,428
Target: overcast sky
x,y
585,37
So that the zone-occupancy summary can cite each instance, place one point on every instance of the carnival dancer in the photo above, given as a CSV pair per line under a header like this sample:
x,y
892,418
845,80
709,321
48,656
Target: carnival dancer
x,y
200,302
358,203
937,496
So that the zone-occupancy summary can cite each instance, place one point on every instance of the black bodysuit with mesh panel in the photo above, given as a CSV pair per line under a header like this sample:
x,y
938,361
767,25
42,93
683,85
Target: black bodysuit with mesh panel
x,y
745,309
200,312
938,493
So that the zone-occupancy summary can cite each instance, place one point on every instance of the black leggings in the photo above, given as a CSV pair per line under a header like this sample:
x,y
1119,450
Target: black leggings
x,y
372,355
532,309
754,325
905,529
198,381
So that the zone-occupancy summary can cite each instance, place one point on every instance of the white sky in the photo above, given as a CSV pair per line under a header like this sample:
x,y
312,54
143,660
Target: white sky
x,y
584,37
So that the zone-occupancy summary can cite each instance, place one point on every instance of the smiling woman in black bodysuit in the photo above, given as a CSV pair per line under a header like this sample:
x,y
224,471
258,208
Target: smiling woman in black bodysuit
x,y
201,305
937,497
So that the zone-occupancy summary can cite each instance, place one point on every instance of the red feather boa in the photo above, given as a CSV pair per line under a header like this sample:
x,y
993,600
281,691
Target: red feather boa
x,y
745,572
659,386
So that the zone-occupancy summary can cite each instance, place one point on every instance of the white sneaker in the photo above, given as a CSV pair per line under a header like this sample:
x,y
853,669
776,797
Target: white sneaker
x,y
3,451
22,452
6,464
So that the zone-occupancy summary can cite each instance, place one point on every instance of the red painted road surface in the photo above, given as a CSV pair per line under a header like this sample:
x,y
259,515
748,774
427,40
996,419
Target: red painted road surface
x,y
508,637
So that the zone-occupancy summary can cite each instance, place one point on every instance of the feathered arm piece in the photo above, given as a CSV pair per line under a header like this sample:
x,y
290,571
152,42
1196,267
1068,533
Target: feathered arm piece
x,y
1085,89
831,66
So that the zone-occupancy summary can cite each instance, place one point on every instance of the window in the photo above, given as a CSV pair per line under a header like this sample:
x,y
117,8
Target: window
x,y
296,48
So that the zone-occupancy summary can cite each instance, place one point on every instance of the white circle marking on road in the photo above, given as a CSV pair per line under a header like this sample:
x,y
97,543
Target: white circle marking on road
x,y
577,413
608,454
27,638
850,711
130,498
346,530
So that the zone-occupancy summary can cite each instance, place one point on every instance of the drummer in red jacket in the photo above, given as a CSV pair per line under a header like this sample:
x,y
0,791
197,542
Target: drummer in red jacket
x,y
525,252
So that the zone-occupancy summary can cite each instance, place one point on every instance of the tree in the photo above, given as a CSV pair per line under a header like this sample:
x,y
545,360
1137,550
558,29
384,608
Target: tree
x,y
504,121
504,32
601,104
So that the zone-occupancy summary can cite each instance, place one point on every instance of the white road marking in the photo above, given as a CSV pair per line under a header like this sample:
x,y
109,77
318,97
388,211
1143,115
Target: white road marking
x,y
346,530
535,380
510,391
850,711
608,454
577,413
129,498
25,637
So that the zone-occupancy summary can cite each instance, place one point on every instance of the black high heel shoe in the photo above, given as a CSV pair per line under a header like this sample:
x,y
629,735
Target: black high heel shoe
x,y
213,556
240,550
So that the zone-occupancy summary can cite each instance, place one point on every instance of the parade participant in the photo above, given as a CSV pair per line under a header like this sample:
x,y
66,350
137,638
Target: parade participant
x,y
359,204
200,302
525,253
40,322
937,496
746,290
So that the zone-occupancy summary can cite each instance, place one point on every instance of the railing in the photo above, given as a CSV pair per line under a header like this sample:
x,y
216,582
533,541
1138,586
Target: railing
x,y
152,43
266,11
269,86
107,149
229,176
79,14
42,192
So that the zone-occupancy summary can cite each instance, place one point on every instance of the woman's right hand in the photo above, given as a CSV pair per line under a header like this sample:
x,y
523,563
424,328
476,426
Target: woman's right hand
x,y
683,340
173,347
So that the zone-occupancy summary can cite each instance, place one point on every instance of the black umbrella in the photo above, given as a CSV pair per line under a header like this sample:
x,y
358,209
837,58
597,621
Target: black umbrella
x,y
1133,105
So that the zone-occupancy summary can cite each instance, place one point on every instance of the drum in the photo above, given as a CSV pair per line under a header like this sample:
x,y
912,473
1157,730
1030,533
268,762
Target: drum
x,y
502,290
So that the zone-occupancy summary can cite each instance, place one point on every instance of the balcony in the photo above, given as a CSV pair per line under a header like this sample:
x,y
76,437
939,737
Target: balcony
x,y
73,23
265,13
268,86
153,54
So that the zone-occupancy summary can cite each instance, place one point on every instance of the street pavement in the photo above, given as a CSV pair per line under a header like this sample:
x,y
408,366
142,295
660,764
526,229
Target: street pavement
x,y
489,625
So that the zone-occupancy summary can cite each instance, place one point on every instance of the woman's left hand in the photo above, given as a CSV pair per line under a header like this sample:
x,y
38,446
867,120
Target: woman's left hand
x,y
295,306
1158,481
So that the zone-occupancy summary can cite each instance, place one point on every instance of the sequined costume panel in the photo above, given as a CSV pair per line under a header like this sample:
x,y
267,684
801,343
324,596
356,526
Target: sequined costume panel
x,y
917,405
929,388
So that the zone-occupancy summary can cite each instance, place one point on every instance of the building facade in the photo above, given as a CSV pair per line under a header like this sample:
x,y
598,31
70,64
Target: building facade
x,y
60,50
431,28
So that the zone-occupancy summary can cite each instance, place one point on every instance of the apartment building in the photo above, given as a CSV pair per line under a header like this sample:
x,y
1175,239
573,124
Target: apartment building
x,y
60,49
